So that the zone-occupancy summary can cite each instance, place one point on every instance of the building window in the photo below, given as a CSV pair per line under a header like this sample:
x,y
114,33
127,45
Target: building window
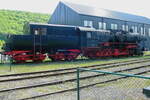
x,y
88,23
127,28
149,31
144,31
102,25
132,29
85,22
135,29
123,27
141,30
114,26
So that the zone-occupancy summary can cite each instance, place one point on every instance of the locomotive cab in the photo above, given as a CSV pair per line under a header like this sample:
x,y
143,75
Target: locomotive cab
x,y
38,29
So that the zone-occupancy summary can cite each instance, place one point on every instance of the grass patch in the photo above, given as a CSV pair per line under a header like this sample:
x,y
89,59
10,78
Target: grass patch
x,y
146,53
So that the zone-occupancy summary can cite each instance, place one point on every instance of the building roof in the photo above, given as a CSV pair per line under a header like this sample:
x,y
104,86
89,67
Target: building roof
x,y
94,11
55,25
59,25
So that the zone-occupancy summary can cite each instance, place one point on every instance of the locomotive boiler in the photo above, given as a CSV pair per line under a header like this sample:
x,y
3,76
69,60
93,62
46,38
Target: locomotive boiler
x,y
64,42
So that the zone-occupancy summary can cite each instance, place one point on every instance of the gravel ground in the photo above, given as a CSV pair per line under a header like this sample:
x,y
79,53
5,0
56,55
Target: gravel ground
x,y
125,89
37,91
12,95
10,77
97,93
112,93
56,78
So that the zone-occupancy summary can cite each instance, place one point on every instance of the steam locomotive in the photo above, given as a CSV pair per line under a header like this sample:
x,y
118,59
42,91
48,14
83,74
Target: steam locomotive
x,y
64,42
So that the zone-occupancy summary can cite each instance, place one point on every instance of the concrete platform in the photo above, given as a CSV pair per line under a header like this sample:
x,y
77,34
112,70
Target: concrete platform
x,y
146,91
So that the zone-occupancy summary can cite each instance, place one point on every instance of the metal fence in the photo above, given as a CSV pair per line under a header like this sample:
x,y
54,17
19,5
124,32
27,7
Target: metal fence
x,y
4,59
111,86
5,63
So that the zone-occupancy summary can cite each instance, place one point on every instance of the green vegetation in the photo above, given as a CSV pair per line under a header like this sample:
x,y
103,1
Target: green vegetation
x,y
20,68
12,22
147,53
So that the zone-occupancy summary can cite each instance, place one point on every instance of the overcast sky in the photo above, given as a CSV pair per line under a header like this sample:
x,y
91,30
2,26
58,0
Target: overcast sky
x,y
138,7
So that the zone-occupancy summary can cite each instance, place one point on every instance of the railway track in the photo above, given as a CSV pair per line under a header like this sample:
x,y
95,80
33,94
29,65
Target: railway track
x,y
83,78
66,69
26,76
88,85
70,80
82,87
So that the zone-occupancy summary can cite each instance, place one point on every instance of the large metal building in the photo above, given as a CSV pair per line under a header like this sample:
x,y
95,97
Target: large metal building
x,y
80,15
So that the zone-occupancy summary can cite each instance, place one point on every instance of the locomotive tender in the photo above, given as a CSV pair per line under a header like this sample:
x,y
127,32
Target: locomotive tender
x,y
64,42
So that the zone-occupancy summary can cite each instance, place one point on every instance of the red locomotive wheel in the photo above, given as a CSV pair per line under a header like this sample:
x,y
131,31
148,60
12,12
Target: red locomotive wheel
x,y
69,58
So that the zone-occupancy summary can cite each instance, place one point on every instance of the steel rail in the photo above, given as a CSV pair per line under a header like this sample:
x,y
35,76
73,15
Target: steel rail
x,y
68,80
57,70
71,72
82,87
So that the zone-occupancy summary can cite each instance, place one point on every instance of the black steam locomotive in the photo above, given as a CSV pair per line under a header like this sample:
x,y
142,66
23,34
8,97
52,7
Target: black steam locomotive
x,y
63,42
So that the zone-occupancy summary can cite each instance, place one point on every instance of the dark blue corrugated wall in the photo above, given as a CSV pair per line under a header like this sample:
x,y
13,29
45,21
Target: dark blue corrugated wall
x,y
64,15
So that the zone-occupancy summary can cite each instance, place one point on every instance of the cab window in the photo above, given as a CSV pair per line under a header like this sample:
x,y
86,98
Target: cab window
x,y
89,35
40,31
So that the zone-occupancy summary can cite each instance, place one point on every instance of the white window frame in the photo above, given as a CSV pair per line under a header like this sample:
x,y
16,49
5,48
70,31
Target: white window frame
x,y
91,24
100,25
104,25
149,31
136,29
144,31
133,28
114,26
85,22
123,27
127,28
88,23
141,30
